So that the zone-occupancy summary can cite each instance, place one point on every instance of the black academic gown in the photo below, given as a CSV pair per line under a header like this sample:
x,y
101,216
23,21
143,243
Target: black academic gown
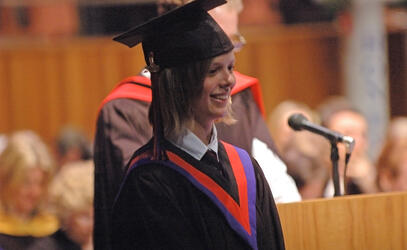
x,y
158,208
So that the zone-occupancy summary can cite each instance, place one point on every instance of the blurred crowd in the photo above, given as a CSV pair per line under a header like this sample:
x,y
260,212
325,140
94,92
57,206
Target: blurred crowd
x,y
307,155
46,192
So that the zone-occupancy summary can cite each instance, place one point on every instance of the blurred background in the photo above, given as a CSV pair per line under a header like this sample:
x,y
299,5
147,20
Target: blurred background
x,y
58,60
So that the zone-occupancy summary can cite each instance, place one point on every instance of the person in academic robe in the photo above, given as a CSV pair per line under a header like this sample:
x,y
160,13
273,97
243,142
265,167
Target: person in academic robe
x,y
123,126
185,189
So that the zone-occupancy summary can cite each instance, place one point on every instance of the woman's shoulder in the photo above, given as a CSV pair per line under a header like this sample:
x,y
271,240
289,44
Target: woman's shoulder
x,y
143,168
245,157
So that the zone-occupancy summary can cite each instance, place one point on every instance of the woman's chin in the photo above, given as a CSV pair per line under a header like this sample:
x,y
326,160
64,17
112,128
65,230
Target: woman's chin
x,y
220,117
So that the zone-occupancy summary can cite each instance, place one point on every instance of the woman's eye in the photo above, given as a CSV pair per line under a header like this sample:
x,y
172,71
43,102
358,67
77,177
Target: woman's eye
x,y
212,71
231,67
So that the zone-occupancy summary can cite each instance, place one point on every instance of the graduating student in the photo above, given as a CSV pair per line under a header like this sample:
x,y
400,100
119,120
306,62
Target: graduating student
x,y
123,127
185,189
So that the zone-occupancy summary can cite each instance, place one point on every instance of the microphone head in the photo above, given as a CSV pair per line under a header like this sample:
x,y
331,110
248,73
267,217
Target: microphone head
x,y
296,121
349,143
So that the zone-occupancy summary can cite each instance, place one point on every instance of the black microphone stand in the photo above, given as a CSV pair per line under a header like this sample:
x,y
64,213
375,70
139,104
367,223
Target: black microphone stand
x,y
335,170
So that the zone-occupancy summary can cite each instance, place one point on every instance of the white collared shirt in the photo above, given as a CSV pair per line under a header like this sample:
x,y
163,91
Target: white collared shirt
x,y
281,184
190,143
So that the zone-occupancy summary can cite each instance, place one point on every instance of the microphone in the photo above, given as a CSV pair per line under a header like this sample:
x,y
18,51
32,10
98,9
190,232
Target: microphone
x,y
299,122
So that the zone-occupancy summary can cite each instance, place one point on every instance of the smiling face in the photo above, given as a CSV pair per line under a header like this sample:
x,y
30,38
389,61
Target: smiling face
x,y
213,102
29,193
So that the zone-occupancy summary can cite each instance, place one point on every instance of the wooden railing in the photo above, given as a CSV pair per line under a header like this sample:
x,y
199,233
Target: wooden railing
x,y
359,222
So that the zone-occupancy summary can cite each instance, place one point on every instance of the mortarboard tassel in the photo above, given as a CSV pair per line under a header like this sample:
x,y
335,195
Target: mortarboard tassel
x,y
157,121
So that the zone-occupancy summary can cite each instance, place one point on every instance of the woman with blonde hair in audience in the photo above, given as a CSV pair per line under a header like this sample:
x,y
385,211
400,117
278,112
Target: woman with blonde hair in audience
x,y
397,128
306,162
392,162
71,196
392,166
26,168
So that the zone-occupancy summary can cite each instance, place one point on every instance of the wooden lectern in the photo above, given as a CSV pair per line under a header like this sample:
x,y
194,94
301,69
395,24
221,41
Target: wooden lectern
x,y
354,222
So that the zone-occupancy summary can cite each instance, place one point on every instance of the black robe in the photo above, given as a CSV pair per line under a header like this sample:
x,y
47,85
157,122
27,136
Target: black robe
x,y
158,208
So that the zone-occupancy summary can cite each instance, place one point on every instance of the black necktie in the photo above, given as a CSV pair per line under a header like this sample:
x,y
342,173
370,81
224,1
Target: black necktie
x,y
210,156
211,159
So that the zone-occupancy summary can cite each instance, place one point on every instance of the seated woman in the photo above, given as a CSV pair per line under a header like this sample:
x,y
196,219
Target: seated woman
x,y
307,164
392,166
71,196
185,189
25,171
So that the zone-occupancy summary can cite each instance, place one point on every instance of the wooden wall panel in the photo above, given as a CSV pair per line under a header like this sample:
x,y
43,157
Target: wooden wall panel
x,y
298,62
5,102
46,84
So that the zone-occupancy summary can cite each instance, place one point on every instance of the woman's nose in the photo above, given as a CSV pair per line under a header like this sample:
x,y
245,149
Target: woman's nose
x,y
229,79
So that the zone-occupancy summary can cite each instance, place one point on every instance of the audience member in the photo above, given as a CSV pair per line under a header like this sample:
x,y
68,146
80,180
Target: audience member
x,y
389,165
338,114
392,166
72,145
397,129
307,164
71,197
26,169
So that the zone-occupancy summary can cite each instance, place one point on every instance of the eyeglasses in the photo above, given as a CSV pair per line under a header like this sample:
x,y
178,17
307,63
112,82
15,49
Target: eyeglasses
x,y
238,41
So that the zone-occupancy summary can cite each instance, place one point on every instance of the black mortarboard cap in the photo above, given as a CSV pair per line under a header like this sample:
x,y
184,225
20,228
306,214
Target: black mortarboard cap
x,y
182,35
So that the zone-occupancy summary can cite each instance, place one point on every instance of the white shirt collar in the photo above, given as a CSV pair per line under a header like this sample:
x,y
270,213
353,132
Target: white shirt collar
x,y
190,143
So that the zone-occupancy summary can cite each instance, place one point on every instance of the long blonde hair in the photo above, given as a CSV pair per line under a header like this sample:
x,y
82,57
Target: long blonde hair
x,y
24,151
72,189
